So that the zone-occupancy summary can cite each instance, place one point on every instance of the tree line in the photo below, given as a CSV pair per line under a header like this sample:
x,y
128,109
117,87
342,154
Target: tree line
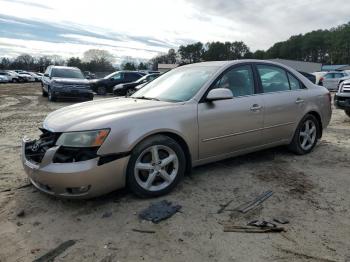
x,y
93,60
330,46
322,46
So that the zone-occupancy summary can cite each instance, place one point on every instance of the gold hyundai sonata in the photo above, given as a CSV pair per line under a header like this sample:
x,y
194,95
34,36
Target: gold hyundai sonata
x,y
192,115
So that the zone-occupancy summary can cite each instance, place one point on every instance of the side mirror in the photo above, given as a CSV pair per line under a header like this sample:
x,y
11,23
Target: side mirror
x,y
219,94
46,75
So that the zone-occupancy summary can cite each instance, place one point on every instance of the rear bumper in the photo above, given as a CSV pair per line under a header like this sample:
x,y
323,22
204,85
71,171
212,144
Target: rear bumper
x,y
79,180
342,101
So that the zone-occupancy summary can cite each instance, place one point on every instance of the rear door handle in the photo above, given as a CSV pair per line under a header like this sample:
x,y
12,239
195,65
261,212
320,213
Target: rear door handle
x,y
299,101
255,107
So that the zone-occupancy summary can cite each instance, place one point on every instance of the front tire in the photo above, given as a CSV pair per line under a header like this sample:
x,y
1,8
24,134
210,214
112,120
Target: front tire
x,y
347,112
155,167
44,93
130,91
50,96
306,135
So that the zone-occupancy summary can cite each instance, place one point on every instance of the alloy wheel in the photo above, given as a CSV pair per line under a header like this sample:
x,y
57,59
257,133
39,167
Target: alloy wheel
x,y
307,135
129,92
156,168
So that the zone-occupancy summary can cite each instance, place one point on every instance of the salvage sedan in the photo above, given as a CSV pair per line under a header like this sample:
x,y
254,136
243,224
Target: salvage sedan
x,y
192,115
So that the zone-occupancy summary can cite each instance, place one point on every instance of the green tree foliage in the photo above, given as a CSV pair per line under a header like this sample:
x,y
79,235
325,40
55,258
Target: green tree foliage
x,y
323,46
129,66
142,66
191,53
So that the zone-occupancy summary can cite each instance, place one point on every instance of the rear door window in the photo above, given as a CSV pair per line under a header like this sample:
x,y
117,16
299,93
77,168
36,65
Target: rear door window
x,y
329,76
338,75
273,79
132,76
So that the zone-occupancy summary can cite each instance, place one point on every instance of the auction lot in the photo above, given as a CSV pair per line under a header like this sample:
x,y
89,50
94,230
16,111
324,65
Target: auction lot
x,y
311,191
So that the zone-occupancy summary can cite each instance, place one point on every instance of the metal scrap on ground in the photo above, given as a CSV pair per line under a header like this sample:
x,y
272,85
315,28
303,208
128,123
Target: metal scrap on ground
x,y
253,204
252,229
52,254
159,211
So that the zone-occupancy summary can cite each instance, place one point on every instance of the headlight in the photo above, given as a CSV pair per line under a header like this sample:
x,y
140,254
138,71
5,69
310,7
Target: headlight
x,y
83,139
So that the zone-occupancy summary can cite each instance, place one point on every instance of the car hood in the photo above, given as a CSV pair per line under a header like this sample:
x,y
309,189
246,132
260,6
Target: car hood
x,y
61,80
100,113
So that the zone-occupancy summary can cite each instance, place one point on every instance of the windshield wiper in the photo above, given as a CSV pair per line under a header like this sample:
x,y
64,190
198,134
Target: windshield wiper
x,y
146,98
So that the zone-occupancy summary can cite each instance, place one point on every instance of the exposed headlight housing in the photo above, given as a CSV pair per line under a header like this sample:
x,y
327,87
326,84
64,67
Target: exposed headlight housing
x,y
91,138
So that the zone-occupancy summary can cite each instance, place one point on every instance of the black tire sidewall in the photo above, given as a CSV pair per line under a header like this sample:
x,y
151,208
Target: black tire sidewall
x,y
151,141
50,95
347,112
295,145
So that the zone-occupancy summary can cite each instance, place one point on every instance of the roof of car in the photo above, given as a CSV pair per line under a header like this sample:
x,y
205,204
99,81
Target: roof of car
x,y
232,62
64,67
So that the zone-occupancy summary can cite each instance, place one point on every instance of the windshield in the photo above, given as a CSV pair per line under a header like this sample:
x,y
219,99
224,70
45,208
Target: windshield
x,y
179,84
67,73
110,75
141,79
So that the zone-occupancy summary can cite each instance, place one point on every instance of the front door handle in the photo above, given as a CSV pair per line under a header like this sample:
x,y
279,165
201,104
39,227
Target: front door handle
x,y
299,101
255,107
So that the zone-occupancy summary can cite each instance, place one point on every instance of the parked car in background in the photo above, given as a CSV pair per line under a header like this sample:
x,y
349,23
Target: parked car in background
x,y
15,76
37,77
11,77
311,77
342,97
129,88
25,76
318,76
331,80
65,82
89,75
105,85
147,72
193,115
4,78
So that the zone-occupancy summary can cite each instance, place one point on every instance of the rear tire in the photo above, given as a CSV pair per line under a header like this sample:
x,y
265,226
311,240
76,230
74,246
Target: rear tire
x,y
306,135
155,167
347,112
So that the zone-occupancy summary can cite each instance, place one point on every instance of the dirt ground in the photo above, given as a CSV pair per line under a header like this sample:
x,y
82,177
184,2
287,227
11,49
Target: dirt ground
x,y
311,191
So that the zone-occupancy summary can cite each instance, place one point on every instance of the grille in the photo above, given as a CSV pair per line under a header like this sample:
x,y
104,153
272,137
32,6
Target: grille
x,y
77,86
346,88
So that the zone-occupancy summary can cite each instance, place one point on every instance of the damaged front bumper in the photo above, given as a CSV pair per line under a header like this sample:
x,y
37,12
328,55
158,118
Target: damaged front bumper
x,y
82,179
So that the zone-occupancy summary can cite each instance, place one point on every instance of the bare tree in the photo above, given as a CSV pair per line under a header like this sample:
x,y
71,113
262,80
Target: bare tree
x,y
97,55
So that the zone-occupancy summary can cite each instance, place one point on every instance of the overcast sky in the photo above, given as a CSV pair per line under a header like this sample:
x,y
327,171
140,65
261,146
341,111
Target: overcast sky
x,y
142,29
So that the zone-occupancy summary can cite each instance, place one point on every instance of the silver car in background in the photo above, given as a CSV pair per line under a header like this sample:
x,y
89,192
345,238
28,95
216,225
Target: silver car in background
x,y
189,116
332,80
